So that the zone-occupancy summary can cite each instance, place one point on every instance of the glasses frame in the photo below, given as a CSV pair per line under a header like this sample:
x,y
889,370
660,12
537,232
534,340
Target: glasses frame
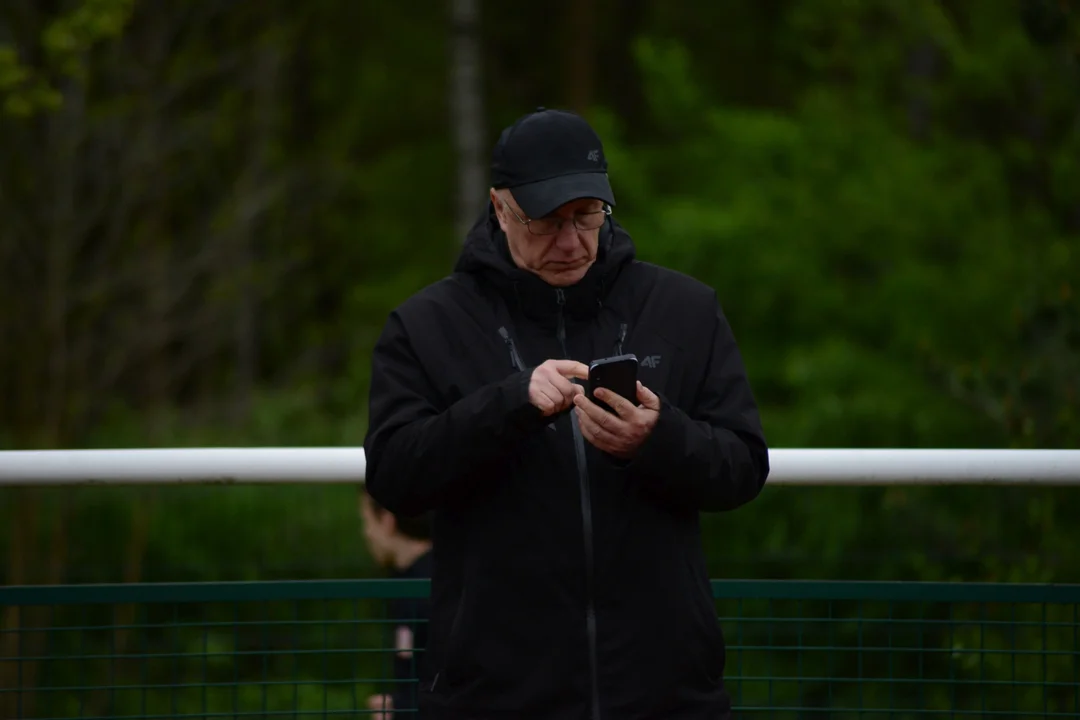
x,y
605,210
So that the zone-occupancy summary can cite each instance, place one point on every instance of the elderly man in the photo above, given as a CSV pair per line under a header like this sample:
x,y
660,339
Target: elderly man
x,y
568,579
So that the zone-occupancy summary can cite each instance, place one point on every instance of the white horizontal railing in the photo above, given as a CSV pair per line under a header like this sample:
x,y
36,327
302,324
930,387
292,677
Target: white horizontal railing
x,y
346,465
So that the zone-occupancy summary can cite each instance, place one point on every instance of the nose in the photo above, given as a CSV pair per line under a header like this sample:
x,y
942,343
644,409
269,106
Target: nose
x,y
567,239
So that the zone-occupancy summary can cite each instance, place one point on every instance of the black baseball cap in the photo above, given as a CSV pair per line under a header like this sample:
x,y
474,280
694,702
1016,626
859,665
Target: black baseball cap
x,y
550,157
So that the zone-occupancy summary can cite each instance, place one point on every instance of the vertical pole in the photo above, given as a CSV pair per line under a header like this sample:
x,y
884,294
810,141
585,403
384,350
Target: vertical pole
x,y
466,101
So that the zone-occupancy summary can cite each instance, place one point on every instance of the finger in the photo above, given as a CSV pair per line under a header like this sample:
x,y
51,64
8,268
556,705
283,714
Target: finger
x,y
557,402
564,387
596,435
600,416
543,401
572,369
623,407
647,397
554,397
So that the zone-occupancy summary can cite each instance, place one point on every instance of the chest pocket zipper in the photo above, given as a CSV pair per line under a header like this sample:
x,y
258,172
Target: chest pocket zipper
x,y
621,339
515,359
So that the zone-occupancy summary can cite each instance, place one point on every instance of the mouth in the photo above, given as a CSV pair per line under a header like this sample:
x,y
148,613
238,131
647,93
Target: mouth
x,y
569,265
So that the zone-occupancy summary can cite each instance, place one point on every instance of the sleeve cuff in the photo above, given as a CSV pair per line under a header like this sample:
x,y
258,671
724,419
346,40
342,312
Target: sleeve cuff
x,y
522,413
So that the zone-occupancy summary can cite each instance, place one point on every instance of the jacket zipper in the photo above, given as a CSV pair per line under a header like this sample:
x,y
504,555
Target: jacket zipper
x,y
587,525
621,339
455,626
515,359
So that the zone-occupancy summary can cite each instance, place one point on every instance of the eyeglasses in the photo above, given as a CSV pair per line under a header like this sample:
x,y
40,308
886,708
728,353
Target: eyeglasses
x,y
553,225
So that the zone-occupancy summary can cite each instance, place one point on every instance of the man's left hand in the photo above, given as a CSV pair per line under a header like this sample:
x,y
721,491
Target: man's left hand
x,y
620,433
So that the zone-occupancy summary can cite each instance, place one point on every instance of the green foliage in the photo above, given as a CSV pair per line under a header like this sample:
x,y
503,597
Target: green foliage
x,y
213,658
202,249
898,650
24,93
887,290
221,202
66,40
92,21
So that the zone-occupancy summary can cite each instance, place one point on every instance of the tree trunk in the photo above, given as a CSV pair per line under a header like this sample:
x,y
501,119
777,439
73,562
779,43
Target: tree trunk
x,y
466,99
251,205
922,66
581,55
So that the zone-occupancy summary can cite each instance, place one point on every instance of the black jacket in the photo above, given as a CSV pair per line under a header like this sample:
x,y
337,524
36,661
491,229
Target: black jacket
x,y
566,585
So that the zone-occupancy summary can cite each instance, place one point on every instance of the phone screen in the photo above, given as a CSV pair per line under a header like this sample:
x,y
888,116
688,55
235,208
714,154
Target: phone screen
x,y
617,374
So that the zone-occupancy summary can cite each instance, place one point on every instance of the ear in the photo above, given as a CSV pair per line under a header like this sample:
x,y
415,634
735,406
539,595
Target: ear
x,y
500,209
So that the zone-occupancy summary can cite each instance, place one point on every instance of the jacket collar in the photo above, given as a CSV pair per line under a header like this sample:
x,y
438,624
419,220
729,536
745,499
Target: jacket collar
x,y
486,256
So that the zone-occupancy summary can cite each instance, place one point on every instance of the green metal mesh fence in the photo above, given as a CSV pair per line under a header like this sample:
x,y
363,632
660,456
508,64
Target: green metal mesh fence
x,y
795,649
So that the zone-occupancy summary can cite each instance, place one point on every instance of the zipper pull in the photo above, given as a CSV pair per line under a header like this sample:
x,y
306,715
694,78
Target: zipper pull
x,y
560,296
515,359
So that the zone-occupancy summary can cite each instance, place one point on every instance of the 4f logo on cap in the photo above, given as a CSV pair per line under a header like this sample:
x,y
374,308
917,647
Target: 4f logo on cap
x,y
594,155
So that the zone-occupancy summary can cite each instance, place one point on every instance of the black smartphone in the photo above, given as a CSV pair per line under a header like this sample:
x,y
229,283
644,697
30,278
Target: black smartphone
x,y
618,374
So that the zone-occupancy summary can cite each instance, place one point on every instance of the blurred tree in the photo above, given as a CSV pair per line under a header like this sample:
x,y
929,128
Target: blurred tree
x,y
38,52
202,240
209,208
468,105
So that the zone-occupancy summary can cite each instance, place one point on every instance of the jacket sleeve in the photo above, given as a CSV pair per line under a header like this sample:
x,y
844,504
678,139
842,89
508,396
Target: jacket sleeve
x,y
715,457
420,454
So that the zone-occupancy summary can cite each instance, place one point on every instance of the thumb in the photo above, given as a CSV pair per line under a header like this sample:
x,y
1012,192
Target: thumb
x,y
647,397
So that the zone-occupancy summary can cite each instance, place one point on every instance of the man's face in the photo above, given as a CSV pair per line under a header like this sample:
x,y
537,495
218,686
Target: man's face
x,y
562,258
378,532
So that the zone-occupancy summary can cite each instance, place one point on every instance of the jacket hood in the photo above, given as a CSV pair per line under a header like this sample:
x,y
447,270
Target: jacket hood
x,y
486,256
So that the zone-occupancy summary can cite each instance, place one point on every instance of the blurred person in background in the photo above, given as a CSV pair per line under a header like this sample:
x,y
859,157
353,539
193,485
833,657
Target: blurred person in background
x,y
570,582
401,545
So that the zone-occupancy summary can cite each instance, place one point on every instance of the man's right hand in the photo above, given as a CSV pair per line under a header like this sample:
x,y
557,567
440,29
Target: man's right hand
x,y
550,389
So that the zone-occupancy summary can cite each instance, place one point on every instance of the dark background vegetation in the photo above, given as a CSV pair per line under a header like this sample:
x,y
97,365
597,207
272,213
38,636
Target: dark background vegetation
x,y
207,209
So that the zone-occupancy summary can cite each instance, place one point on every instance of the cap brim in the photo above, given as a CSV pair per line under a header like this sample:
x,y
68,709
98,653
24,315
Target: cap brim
x,y
542,198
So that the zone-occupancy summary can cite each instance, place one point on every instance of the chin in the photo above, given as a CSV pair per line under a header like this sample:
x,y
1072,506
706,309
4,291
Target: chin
x,y
563,278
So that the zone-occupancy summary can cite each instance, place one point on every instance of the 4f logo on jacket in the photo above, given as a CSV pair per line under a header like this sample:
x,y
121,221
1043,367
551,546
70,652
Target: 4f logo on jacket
x,y
650,361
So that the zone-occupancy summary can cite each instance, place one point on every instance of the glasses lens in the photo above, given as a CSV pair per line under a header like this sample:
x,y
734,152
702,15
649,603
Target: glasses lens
x,y
590,221
544,226
582,221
